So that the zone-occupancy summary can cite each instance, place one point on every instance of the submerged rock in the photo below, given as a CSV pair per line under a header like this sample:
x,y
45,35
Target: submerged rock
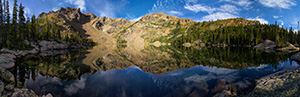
x,y
280,84
296,57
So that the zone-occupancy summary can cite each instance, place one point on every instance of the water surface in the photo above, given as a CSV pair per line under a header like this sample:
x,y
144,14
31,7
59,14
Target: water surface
x,y
151,72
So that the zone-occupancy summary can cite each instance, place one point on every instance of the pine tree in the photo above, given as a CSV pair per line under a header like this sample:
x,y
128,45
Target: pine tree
x,y
53,34
21,26
8,27
34,34
66,37
1,14
58,32
1,25
47,29
291,35
28,29
14,20
7,14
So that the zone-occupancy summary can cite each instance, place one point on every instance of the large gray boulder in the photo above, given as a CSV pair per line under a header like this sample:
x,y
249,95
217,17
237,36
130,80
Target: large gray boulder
x,y
6,75
52,45
23,93
4,50
266,45
7,61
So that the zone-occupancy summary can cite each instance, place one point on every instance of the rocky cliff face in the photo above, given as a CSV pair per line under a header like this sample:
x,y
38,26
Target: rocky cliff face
x,y
109,25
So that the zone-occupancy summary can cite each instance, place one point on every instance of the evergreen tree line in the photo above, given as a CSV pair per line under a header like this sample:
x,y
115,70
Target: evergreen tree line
x,y
15,31
242,34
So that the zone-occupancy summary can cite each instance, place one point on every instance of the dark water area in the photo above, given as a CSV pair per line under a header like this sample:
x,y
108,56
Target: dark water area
x,y
152,72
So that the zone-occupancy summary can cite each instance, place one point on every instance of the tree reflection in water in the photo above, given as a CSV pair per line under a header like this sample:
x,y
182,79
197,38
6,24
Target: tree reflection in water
x,y
165,70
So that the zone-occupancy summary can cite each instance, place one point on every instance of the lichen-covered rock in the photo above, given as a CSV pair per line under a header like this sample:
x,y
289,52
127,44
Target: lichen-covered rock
x,y
285,83
7,76
1,87
9,87
23,93
7,61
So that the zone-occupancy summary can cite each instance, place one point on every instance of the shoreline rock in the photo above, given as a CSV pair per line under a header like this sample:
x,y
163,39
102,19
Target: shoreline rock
x,y
282,83
269,45
8,59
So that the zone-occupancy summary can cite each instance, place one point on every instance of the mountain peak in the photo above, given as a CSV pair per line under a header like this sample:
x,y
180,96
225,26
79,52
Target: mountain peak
x,y
156,16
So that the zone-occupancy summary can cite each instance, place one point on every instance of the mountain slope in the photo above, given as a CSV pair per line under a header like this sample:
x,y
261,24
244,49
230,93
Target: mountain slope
x,y
148,29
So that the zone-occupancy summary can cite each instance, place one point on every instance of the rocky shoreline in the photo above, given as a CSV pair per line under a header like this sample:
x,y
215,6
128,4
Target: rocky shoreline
x,y
280,84
8,59
283,83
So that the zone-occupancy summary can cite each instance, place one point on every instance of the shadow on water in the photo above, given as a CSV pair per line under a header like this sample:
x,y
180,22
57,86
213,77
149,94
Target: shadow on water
x,y
151,72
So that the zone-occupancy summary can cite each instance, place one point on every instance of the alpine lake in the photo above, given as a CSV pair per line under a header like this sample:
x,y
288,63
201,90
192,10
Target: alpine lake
x,y
164,71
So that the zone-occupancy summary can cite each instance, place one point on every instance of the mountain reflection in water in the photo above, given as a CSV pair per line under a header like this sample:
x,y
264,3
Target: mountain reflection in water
x,y
151,72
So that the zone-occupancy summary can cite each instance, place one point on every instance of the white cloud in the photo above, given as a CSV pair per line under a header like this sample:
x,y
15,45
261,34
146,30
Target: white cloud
x,y
280,22
176,13
261,20
285,4
168,5
275,17
55,9
229,8
203,8
199,7
218,16
108,8
27,10
191,1
78,3
294,22
76,86
108,12
244,3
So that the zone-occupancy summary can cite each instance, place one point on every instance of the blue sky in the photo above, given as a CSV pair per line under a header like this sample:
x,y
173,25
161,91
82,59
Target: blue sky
x,y
286,12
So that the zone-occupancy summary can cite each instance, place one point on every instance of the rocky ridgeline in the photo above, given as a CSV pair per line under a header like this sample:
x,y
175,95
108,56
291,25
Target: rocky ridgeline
x,y
7,61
